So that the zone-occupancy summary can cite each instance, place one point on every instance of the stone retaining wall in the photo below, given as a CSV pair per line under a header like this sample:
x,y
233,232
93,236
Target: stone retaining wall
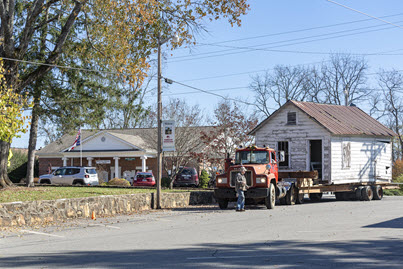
x,y
42,212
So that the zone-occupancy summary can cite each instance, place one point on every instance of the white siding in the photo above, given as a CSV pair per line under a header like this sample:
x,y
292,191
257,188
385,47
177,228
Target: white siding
x,y
106,142
369,156
298,136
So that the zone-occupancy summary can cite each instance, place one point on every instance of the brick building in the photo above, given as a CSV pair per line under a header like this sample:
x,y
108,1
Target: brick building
x,y
116,152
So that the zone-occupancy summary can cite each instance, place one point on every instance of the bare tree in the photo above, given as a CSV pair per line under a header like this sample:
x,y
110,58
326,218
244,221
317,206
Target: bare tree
x,y
187,135
276,88
391,84
344,79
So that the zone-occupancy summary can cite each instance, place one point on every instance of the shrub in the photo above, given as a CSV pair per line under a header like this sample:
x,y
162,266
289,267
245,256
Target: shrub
x,y
204,179
165,181
397,170
118,182
396,192
18,166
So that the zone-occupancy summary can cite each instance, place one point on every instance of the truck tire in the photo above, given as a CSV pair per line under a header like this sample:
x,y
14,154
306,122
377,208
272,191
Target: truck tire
x,y
270,200
367,194
378,192
290,197
315,197
300,199
223,203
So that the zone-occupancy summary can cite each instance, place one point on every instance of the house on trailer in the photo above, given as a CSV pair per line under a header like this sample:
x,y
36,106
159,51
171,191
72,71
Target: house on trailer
x,y
344,144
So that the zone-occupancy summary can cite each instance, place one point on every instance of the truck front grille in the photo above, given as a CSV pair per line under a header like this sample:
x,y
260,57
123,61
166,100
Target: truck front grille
x,y
248,175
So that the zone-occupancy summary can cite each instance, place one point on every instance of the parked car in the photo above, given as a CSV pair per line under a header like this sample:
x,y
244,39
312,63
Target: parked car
x,y
71,175
144,179
187,176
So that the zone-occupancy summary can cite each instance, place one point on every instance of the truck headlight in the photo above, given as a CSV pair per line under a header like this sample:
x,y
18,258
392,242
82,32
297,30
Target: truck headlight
x,y
260,180
222,180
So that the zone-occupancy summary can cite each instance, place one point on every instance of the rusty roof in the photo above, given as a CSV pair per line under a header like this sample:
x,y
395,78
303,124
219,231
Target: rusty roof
x,y
340,120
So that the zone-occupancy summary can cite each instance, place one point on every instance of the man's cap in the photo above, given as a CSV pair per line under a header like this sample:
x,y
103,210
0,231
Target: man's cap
x,y
243,169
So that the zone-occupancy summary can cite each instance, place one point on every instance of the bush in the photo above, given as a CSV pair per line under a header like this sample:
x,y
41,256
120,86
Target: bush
x,y
165,181
396,192
397,170
204,179
117,182
18,166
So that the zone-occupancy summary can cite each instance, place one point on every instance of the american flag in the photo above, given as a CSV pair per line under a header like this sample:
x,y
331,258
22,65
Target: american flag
x,y
77,141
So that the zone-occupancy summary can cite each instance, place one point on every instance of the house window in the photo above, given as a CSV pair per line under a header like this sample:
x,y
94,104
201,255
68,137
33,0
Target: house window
x,y
292,118
283,146
346,155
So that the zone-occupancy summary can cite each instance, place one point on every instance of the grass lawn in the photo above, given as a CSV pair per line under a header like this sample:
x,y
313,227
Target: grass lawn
x,y
52,193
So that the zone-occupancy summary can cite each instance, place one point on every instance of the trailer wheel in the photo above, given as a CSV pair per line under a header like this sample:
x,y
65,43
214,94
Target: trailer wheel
x,y
378,192
290,197
340,196
270,200
315,197
367,194
223,203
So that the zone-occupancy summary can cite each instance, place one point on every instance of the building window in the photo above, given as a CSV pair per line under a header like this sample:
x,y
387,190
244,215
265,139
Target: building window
x,y
283,146
346,155
292,118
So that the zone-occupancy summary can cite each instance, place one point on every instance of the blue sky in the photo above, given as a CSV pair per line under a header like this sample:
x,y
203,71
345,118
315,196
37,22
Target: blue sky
x,y
279,25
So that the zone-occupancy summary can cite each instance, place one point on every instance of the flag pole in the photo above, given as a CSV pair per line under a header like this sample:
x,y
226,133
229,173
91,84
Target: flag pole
x,y
81,149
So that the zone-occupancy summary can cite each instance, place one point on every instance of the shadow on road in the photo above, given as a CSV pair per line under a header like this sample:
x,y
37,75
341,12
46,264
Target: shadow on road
x,y
284,254
394,223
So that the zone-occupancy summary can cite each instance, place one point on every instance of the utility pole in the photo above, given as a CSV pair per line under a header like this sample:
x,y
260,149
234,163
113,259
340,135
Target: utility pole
x,y
159,116
346,94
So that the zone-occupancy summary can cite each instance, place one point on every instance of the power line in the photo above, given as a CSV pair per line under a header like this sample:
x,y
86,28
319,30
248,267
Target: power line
x,y
294,31
212,93
355,10
254,48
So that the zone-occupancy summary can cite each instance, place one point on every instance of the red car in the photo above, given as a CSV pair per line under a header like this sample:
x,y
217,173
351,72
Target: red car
x,y
144,179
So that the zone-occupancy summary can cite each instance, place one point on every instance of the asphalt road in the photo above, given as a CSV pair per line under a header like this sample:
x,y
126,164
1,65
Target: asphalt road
x,y
327,234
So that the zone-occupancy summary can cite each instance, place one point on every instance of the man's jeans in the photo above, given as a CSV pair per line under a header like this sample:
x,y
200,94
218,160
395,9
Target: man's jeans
x,y
241,200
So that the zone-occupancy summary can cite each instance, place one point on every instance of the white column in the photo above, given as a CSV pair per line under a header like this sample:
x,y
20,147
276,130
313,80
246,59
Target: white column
x,y
89,159
143,163
116,166
64,161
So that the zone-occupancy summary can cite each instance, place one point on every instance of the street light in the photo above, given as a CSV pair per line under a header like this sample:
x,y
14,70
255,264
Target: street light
x,y
175,39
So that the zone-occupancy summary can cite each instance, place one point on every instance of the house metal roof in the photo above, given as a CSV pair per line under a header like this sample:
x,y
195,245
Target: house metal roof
x,y
339,120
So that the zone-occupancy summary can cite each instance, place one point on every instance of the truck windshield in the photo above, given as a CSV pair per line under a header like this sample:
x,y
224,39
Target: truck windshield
x,y
259,157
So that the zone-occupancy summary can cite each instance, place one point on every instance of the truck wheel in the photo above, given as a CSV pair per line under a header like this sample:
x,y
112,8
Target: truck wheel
x,y
270,200
315,197
300,198
378,192
223,203
290,197
367,194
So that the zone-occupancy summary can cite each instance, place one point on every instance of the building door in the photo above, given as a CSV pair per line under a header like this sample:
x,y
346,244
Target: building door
x,y
315,156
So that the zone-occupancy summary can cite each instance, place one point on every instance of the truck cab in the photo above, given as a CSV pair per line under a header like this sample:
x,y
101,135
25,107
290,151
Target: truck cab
x,y
261,176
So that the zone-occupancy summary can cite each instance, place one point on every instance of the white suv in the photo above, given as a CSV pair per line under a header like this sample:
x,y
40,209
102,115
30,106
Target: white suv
x,y
71,175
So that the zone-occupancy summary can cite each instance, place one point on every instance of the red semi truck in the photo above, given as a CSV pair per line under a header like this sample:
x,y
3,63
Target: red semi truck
x,y
267,185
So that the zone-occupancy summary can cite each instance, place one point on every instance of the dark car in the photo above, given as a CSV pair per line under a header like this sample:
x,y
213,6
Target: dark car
x,y
187,176
144,179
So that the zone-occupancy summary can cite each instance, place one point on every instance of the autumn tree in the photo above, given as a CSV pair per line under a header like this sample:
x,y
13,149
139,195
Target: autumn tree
x,y
119,35
12,122
232,130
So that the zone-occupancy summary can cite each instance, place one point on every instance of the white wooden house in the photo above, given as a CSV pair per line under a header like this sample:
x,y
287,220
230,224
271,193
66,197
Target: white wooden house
x,y
343,143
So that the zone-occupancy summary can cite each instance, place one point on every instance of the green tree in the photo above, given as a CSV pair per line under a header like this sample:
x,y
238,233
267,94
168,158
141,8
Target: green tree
x,y
118,35
204,179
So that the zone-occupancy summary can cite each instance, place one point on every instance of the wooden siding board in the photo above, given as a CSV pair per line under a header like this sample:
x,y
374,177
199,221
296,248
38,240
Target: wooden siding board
x,y
364,151
297,135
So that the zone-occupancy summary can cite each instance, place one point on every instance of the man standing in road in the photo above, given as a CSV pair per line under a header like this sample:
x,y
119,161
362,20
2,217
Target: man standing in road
x,y
240,187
